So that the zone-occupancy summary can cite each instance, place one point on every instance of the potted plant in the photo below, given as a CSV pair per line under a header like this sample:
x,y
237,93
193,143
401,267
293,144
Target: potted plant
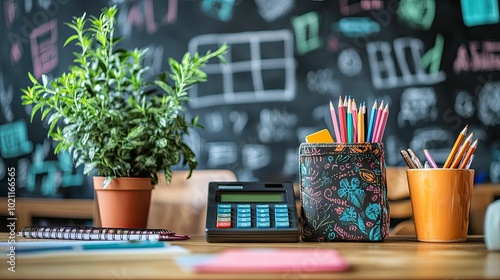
x,y
111,119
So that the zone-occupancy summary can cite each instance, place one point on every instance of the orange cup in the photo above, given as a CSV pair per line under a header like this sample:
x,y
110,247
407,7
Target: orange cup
x,y
440,200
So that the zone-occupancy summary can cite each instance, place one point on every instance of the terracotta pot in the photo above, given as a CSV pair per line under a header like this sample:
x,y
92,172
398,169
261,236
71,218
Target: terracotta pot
x,y
125,202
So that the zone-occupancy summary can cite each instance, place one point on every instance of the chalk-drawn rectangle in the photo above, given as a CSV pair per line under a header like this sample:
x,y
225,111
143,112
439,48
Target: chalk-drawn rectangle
x,y
277,54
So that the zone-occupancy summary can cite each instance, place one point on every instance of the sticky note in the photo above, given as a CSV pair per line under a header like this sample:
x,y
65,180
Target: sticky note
x,y
322,136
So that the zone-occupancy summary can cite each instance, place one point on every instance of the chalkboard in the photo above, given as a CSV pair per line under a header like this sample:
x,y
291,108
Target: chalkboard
x,y
436,63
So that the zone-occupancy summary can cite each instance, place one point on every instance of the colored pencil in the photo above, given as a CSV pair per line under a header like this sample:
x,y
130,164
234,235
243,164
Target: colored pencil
x,y
383,122
334,122
468,156
361,125
371,121
378,118
455,148
461,151
349,121
429,158
354,113
342,123
470,161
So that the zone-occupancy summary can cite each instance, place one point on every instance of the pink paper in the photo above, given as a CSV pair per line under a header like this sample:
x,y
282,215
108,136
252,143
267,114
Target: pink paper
x,y
297,260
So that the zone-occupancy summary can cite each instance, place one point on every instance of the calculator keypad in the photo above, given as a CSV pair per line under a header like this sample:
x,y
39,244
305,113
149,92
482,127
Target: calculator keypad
x,y
245,216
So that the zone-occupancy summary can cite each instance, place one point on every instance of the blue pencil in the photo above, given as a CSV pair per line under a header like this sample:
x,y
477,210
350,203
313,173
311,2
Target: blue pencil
x,y
371,125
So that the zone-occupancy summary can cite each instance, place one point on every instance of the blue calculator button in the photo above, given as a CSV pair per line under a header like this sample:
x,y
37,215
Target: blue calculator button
x,y
262,210
263,220
282,224
223,210
281,215
243,206
243,210
243,224
262,215
282,220
243,215
220,206
281,210
243,219
262,206
281,206
263,224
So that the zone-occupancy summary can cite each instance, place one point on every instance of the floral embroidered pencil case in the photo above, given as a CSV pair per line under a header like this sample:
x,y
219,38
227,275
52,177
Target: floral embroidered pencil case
x,y
343,192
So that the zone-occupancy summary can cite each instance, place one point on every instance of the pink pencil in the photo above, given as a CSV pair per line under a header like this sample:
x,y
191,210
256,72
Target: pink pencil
x,y
334,122
378,118
383,122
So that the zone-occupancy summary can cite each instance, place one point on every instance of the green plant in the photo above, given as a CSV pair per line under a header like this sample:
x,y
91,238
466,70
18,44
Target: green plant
x,y
108,116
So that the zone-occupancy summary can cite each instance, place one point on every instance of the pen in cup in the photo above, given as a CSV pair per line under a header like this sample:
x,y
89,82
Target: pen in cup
x,y
415,159
407,159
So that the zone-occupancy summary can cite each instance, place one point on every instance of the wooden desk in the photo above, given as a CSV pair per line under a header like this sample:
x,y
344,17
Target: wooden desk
x,y
396,258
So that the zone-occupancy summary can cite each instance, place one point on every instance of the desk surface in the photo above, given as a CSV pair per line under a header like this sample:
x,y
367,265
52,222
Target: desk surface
x,y
397,257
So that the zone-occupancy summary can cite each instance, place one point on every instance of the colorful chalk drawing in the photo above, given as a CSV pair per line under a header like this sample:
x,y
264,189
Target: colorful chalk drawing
x,y
270,10
484,56
307,36
357,27
219,9
141,15
44,51
418,14
343,187
384,72
480,12
14,140
417,105
352,7
488,106
268,58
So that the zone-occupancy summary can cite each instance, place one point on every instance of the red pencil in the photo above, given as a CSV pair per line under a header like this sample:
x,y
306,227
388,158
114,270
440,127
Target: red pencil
x,y
342,123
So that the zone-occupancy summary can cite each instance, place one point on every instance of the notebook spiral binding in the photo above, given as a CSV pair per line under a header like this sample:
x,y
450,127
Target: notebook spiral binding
x,y
96,233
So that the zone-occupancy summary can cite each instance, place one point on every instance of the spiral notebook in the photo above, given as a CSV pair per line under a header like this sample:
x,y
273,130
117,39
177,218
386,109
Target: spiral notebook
x,y
99,233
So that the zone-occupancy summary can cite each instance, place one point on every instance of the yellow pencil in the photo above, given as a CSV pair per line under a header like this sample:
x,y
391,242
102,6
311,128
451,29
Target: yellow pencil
x,y
462,151
457,144
361,127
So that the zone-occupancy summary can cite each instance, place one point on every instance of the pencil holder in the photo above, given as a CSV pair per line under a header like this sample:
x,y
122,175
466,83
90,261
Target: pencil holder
x,y
343,192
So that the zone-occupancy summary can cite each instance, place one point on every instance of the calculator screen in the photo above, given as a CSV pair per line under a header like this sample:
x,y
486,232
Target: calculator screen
x,y
243,196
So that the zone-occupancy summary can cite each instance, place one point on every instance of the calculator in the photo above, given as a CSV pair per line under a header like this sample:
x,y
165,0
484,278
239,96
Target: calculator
x,y
251,212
